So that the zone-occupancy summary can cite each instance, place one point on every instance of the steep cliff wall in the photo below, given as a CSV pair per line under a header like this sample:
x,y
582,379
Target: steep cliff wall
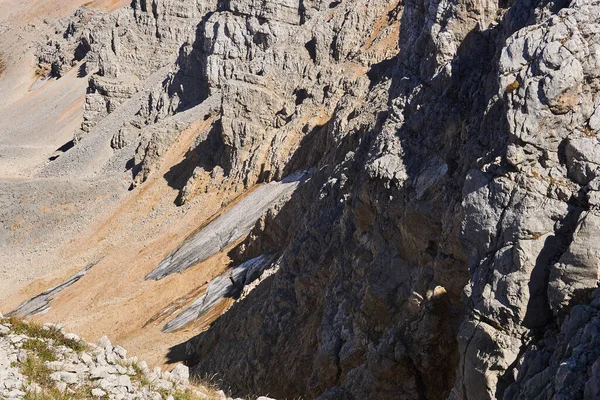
x,y
445,241
469,161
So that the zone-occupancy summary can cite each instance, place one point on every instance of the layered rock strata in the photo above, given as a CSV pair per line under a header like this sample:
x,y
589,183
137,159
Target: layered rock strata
x,y
445,245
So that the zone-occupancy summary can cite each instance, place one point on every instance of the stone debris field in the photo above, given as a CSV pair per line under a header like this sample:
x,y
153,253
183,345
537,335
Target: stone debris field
x,y
42,362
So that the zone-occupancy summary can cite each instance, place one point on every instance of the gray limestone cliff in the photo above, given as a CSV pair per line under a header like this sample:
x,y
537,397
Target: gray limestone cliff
x,y
446,244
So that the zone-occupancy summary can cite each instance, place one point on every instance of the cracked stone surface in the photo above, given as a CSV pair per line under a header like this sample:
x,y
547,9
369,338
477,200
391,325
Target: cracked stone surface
x,y
230,284
445,245
42,302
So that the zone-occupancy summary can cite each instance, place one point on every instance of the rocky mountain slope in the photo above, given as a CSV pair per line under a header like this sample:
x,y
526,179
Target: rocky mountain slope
x,y
43,362
439,235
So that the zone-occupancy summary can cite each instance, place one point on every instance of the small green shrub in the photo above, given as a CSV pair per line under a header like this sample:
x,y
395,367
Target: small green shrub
x,y
139,376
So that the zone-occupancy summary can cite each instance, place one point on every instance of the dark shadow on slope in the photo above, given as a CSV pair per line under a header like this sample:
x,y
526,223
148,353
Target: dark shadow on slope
x,y
274,240
228,285
381,71
538,310
309,152
62,149
177,354
208,154
82,70
189,83
66,147
471,124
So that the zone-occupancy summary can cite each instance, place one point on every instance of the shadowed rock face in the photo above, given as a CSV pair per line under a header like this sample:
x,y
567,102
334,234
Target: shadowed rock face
x,y
446,244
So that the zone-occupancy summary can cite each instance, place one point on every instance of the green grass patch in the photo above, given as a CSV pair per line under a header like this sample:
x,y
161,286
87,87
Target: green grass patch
x,y
37,331
140,376
40,349
35,369
37,372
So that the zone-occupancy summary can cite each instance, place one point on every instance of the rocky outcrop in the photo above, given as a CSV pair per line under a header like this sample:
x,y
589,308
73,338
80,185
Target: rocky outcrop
x,y
564,361
278,80
67,43
532,270
134,43
43,361
445,245
478,173
121,49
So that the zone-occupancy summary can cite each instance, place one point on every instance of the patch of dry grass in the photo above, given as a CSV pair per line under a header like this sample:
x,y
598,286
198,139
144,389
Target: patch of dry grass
x,y
81,393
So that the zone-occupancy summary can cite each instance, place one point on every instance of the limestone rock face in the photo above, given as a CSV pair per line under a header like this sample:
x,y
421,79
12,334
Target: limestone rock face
x,y
122,48
445,244
478,176
536,213
564,362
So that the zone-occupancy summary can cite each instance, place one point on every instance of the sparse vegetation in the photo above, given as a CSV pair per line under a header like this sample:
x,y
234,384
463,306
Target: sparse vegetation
x,y
43,71
37,331
588,132
140,376
36,370
83,392
44,344
512,86
185,395
39,353
210,384
40,349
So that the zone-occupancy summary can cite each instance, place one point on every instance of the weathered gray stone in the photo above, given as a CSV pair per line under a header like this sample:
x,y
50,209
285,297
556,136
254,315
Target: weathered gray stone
x,y
181,373
120,352
102,372
456,180
96,392
86,359
229,285
41,303
578,269
227,229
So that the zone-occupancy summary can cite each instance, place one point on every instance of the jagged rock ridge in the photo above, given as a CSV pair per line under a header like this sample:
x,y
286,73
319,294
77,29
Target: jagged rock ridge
x,y
446,244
